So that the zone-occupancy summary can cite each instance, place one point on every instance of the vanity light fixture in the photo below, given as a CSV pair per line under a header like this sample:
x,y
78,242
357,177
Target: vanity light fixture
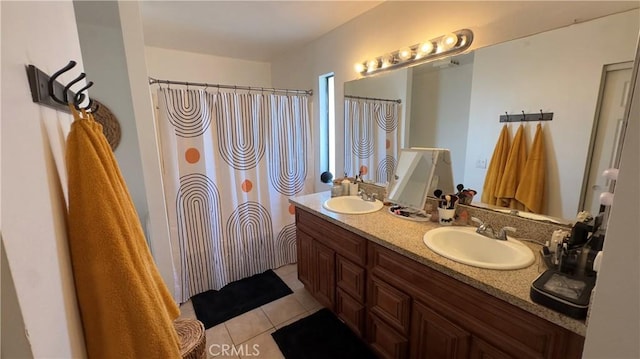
x,y
434,49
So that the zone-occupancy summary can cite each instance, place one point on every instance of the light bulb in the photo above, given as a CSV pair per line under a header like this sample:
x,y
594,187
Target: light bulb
x,y
447,42
372,65
404,54
359,67
425,48
387,60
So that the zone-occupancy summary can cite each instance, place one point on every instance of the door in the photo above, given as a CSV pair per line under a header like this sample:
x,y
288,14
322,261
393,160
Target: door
x,y
606,139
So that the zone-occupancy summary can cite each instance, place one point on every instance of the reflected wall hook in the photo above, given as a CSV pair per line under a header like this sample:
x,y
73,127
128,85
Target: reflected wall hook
x,y
52,80
507,114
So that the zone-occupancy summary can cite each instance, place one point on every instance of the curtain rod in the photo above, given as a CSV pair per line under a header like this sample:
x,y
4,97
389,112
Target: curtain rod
x,y
372,98
230,87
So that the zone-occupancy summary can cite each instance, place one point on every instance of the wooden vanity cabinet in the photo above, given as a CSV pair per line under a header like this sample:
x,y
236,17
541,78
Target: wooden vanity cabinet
x,y
450,319
331,265
404,309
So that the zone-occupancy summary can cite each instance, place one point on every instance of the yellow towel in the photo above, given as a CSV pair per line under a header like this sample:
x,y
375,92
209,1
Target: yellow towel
x,y
531,188
506,192
496,167
126,309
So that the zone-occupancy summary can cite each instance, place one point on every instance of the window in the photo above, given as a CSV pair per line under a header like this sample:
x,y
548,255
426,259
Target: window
x,y
327,124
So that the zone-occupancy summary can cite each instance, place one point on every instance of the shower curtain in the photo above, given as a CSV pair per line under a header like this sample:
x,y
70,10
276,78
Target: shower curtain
x,y
231,162
371,138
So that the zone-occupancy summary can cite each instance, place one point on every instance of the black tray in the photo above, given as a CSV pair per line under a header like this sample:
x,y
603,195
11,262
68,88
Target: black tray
x,y
563,293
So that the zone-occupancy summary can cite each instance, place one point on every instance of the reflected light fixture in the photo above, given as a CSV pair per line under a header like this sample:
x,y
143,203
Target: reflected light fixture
x,y
434,49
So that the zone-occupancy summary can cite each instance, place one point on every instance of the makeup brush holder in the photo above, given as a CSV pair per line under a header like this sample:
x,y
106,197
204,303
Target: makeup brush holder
x,y
446,216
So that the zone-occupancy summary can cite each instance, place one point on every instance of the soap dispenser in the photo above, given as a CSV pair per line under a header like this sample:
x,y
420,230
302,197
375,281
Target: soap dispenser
x,y
345,185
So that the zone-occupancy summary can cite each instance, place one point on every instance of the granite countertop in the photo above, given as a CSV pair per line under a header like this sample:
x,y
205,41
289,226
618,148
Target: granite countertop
x,y
405,237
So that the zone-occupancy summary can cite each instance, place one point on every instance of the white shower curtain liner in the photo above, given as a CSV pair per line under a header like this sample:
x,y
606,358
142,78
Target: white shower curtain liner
x,y
231,162
371,138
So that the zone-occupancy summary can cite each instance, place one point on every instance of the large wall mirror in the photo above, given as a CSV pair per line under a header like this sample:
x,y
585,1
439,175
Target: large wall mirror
x,y
580,73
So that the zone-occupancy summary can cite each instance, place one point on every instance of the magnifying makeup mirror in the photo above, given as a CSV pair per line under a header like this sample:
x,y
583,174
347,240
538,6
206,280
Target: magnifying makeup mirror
x,y
419,173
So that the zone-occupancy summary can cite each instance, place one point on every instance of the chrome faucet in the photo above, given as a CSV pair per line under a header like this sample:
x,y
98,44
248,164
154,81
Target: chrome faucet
x,y
367,197
486,230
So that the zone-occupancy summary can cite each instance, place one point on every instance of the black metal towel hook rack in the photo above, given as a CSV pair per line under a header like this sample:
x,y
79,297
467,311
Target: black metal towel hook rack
x,y
48,91
527,117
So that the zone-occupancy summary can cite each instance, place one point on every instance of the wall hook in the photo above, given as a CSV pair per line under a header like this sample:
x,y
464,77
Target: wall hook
x,y
65,92
80,97
52,80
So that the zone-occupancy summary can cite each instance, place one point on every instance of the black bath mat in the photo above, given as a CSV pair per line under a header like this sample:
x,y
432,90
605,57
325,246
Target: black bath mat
x,y
320,336
217,306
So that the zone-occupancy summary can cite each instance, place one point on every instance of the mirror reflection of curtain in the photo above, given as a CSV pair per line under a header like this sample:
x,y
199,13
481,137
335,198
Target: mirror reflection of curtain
x,y
371,138
231,163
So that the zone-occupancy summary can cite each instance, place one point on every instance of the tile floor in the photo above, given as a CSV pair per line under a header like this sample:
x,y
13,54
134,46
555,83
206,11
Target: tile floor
x,y
250,333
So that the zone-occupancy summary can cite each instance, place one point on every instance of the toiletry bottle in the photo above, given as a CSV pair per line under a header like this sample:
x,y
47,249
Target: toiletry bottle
x,y
345,185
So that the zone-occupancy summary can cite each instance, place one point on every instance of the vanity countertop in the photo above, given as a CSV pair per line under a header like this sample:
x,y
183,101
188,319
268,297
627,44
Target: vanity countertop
x,y
405,237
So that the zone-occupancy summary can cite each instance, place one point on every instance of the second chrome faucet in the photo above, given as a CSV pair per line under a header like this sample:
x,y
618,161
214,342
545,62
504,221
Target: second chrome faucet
x,y
486,230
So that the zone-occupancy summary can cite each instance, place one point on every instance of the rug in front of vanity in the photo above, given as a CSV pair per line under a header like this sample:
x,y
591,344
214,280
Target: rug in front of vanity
x,y
320,336
217,306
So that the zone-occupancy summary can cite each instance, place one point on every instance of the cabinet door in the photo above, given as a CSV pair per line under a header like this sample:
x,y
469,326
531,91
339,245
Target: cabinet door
x,y
433,336
324,280
305,259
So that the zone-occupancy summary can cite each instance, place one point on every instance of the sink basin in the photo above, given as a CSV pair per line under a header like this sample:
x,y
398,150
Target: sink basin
x,y
464,245
351,205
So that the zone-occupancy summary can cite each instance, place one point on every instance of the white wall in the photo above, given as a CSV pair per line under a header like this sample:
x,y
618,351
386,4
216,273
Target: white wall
x,y
158,226
103,53
34,209
166,64
569,64
440,112
614,322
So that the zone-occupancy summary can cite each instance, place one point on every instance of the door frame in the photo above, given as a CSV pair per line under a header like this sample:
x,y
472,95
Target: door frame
x,y
584,192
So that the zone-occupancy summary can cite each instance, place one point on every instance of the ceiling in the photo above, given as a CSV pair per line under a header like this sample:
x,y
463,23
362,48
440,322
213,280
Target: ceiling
x,y
250,30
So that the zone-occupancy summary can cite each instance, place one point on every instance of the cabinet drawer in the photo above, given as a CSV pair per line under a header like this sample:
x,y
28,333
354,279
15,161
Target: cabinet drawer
x,y
350,311
350,277
388,343
390,304
345,243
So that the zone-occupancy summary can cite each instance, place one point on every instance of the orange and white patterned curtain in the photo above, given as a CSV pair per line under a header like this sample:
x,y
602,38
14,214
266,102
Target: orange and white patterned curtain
x,y
231,163
371,138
